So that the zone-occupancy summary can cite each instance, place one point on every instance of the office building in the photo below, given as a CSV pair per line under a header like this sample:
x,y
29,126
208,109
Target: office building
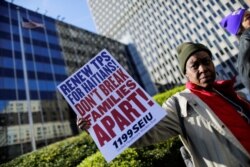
x,y
157,27
35,57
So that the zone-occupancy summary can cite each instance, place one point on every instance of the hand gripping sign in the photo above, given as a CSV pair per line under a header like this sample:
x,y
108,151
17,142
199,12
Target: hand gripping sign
x,y
120,111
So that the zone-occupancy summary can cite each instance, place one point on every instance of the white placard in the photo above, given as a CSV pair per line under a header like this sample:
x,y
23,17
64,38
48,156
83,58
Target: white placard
x,y
119,109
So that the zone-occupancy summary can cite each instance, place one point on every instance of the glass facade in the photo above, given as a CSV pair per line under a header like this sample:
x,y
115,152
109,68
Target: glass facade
x,y
32,63
31,114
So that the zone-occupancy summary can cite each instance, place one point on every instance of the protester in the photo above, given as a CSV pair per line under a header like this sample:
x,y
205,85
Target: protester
x,y
208,114
238,23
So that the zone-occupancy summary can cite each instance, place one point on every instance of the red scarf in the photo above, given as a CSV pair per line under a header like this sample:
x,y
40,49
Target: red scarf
x,y
225,110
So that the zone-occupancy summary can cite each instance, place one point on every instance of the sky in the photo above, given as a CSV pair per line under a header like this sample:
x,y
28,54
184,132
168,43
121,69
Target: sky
x,y
75,12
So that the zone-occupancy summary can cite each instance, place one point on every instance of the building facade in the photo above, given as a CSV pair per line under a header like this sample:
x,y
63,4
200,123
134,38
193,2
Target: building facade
x,y
157,27
79,46
34,58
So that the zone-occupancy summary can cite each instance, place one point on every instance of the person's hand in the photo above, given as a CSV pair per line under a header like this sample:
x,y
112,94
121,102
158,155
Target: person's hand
x,y
83,124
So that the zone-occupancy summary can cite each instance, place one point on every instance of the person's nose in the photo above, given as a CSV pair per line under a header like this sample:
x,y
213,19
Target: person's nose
x,y
202,68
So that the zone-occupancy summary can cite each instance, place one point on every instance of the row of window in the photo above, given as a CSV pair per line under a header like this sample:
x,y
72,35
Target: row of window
x,y
7,72
7,35
28,33
56,131
42,85
31,66
37,58
6,44
14,23
11,94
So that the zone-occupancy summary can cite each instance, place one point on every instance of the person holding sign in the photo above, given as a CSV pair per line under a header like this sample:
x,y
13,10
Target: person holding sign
x,y
211,119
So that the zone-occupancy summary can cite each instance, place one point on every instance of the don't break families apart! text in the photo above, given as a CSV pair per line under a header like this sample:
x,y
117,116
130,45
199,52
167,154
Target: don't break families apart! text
x,y
117,107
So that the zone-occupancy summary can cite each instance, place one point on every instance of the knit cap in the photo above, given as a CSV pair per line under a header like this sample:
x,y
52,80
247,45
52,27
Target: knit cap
x,y
186,49
232,22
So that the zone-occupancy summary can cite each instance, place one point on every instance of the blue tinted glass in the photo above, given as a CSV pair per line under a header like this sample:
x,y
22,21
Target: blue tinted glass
x,y
46,86
8,62
52,39
50,25
19,64
20,84
5,44
3,105
37,35
55,53
59,69
27,48
4,11
40,50
30,66
42,67
32,84
8,83
17,46
1,83
4,27
15,30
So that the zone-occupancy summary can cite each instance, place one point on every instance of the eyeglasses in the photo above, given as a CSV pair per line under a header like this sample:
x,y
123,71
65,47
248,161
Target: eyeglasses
x,y
206,61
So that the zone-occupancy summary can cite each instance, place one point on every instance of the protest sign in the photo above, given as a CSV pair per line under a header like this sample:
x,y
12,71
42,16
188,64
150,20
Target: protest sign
x,y
120,111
